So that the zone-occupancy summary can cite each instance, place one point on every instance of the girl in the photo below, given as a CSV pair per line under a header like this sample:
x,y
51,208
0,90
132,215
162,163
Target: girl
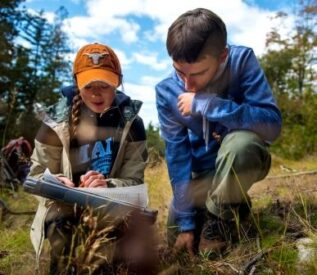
x,y
94,140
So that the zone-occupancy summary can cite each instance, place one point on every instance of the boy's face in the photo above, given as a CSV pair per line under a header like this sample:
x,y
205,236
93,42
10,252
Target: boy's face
x,y
197,75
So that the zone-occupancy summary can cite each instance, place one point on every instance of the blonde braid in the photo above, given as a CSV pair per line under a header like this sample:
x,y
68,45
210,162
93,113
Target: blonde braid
x,y
77,102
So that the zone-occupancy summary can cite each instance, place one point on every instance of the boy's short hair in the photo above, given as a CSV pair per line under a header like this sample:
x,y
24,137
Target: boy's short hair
x,y
196,32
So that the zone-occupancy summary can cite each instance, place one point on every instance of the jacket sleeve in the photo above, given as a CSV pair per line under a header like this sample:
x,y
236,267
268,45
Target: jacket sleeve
x,y
45,156
178,158
257,112
133,159
48,151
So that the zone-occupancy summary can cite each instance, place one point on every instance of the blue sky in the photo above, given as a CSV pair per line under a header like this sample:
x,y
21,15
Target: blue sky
x,y
136,30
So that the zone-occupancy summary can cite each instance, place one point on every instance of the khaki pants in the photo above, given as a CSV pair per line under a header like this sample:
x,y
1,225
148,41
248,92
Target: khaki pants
x,y
242,160
80,241
85,242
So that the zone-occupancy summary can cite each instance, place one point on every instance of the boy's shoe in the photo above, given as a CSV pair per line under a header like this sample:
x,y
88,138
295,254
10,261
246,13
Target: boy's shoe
x,y
217,234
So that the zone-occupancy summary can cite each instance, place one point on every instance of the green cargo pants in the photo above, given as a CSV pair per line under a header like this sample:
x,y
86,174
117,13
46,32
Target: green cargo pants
x,y
242,160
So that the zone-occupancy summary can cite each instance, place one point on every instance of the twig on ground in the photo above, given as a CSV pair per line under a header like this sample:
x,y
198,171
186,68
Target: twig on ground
x,y
232,267
253,261
252,270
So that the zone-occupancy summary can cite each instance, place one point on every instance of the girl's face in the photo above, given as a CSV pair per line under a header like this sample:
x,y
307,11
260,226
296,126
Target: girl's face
x,y
98,96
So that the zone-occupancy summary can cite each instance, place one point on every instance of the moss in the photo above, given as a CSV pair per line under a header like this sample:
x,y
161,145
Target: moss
x,y
270,240
270,223
285,256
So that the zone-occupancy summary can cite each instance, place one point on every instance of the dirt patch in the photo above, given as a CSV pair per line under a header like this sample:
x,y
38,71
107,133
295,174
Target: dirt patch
x,y
286,187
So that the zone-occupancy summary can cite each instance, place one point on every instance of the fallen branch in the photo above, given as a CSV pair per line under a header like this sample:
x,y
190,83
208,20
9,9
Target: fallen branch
x,y
304,173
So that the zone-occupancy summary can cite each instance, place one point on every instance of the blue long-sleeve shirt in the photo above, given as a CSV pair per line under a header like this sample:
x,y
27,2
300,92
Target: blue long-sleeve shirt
x,y
240,99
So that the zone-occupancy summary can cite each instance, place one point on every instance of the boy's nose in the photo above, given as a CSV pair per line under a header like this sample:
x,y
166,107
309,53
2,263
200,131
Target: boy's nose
x,y
189,85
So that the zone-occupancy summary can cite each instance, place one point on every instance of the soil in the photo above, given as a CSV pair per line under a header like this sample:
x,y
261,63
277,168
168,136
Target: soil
x,y
286,187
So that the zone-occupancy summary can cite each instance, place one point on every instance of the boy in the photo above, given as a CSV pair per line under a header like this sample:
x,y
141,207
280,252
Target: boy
x,y
217,116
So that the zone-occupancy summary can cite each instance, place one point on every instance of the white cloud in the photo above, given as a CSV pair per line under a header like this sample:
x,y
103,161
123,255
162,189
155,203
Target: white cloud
x,y
149,114
77,42
151,59
141,92
247,24
146,94
103,19
150,80
50,16
124,60
95,27
250,25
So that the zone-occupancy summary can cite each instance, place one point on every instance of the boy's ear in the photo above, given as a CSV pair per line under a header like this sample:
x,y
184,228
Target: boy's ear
x,y
224,54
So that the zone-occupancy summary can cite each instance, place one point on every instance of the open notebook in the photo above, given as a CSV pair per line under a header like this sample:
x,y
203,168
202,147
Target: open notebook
x,y
135,195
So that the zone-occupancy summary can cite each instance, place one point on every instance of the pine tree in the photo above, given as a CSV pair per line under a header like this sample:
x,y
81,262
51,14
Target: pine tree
x,y
37,68
9,16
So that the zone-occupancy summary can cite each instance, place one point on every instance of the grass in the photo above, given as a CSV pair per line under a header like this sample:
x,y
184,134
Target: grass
x,y
16,248
284,210
306,164
160,192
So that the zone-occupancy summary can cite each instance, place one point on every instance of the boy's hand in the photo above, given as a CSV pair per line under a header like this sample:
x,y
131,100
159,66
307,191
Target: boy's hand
x,y
93,179
185,241
185,102
66,181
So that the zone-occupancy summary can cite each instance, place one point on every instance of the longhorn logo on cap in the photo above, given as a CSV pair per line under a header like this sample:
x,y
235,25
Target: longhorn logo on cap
x,y
95,57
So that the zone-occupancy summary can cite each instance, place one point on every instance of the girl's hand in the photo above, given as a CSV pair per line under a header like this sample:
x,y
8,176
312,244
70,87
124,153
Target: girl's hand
x,y
93,179
66,181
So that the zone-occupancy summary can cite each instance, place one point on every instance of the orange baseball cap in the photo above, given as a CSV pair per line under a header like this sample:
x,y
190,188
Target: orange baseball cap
x,y
97,62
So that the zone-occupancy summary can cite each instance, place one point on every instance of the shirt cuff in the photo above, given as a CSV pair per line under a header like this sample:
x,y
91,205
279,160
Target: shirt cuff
x,y
184,220
201,101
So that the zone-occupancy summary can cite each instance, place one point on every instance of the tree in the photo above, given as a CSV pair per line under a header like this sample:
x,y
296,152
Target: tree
x,y
154,140
155,144
38,69
289,66
47,67
8,32
9,16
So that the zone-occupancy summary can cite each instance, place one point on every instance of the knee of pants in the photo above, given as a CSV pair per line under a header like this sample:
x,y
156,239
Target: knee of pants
x,y
244,148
